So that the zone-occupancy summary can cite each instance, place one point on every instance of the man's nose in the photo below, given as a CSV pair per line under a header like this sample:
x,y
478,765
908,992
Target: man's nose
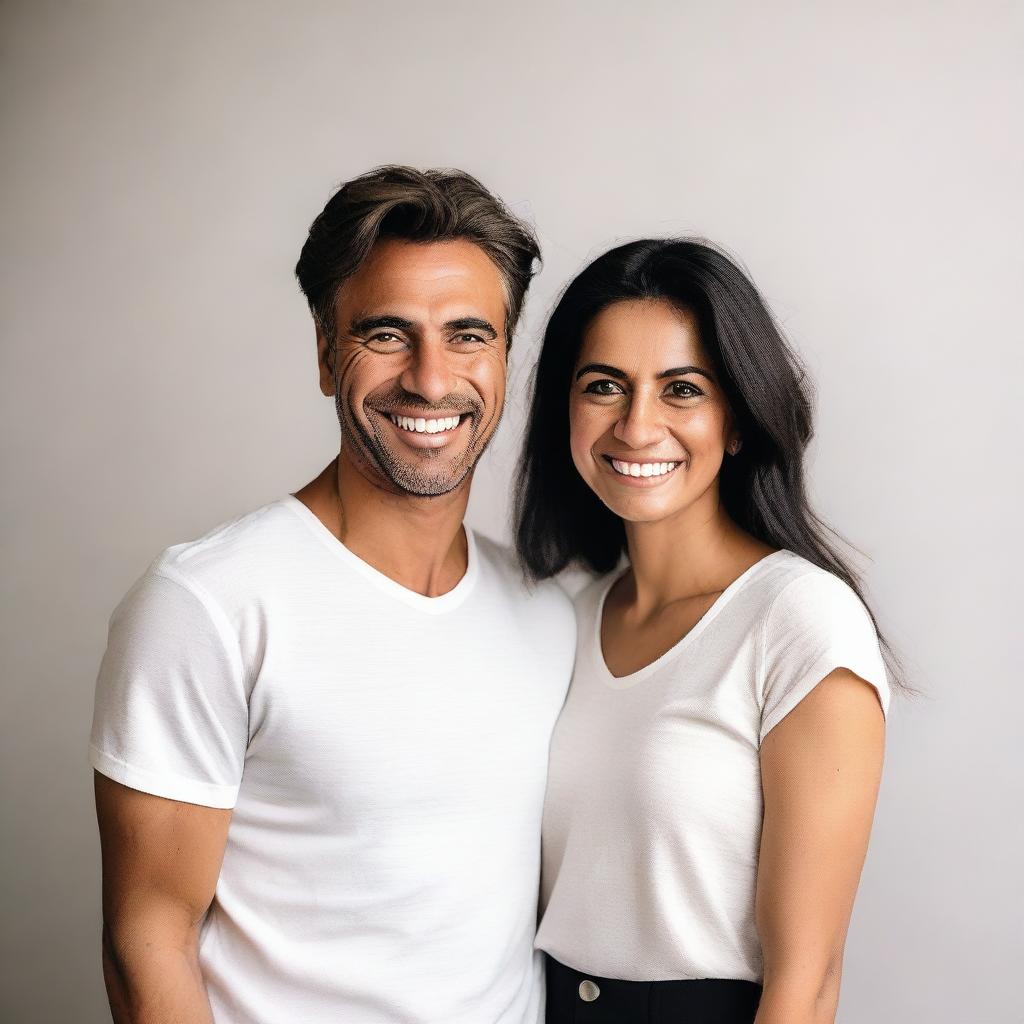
x,y
428,373
640,426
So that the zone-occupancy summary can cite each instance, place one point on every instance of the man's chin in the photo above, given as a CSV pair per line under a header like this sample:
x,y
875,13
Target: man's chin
x,y
418,484
424,465
433,474
379,453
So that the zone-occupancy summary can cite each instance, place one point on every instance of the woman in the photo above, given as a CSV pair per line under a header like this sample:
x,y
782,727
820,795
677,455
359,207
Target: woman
x,y
713,774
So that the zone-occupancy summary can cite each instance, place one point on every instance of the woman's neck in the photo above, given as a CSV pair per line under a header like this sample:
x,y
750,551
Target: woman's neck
x,y
698,551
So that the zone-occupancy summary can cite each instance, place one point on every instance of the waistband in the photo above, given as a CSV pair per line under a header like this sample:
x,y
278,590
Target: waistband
x,y
577,998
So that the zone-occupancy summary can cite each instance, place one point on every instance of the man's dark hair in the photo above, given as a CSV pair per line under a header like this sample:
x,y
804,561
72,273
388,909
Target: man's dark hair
x,y
433,205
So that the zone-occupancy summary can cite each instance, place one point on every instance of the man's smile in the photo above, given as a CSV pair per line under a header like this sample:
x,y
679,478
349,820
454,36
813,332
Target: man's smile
x,y
417,430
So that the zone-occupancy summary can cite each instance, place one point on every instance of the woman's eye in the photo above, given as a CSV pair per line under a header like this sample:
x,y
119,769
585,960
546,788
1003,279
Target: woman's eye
x,y
681,389
603,387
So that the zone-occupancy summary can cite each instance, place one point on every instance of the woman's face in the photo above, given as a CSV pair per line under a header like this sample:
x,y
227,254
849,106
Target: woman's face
x,y
648,421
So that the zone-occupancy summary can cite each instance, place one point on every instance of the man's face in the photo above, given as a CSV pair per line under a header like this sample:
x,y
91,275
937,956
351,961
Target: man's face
x,y
417,370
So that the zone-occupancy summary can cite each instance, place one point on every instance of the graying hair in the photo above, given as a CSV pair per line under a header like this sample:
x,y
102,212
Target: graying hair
x,y
420,206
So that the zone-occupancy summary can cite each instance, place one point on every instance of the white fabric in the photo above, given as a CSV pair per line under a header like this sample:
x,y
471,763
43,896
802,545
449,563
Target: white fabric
x,y
385,755
653,814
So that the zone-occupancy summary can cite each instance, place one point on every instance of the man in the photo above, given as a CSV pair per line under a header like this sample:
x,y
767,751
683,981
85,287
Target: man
x,y
321,730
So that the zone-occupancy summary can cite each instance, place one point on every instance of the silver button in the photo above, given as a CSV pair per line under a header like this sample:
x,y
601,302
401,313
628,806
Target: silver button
x,y
589,990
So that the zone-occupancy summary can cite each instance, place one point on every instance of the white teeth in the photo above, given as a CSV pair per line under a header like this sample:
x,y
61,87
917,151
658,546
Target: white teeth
x,y
643,468
421,425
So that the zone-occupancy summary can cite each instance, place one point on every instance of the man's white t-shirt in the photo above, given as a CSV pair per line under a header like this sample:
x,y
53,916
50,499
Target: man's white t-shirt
x,y
385,755
652,821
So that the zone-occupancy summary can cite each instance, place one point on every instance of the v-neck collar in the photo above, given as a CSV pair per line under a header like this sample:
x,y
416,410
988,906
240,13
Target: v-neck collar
x,y
431,605
632,678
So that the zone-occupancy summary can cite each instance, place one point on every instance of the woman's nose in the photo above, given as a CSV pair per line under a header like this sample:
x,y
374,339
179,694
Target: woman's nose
x,y
641,425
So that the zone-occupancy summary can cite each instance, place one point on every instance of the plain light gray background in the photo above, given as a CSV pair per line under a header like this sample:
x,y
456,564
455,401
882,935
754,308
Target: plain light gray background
x,y
162,163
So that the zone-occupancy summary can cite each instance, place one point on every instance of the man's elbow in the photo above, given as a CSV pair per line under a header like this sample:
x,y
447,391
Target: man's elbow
x,y
133,949
149,966
111,957
114,978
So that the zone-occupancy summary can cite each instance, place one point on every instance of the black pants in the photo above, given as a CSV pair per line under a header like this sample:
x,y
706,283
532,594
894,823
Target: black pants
x,y
575,998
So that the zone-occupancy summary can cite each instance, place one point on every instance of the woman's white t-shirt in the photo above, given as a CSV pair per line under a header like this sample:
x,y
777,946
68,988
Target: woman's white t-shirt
x,y
385,754
652,819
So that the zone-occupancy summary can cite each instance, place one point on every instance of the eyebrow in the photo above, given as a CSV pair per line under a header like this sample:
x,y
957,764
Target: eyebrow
x,y
399,323
679,371
371,323
614,371
472,323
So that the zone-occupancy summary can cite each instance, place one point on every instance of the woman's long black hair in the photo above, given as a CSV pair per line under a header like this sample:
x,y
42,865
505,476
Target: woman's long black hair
x,y
559,519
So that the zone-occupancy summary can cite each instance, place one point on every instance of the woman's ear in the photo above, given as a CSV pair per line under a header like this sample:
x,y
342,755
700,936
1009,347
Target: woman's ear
x,y
733,442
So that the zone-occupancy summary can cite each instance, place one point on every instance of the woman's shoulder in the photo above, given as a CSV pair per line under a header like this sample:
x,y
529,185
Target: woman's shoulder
x,y
813,622
796,594
589,592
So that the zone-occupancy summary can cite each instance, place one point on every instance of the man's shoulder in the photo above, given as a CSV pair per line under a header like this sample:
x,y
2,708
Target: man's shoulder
x,y
233,551
540,610
501,560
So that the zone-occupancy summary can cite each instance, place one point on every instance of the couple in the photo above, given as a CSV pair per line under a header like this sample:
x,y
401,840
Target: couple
x,y
329,734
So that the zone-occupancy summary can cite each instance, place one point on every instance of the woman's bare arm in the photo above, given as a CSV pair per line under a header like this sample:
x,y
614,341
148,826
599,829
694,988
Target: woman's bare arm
x,y
820,770
161,859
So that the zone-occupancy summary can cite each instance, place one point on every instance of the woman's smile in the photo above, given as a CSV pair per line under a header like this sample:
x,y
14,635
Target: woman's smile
x,y
640,473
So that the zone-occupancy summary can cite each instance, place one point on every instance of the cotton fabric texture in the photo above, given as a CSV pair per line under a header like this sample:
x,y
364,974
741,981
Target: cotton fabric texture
x,y
385,754
652,821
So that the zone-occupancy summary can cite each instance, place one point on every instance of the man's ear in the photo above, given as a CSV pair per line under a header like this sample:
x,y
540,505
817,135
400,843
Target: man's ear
x,y
325,353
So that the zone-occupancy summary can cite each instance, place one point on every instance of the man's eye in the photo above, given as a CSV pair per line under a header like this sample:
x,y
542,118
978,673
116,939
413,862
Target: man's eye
x,y
385,341
469,339
681,389
603,387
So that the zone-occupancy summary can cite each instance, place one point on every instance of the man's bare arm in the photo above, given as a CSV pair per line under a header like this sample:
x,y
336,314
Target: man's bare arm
x,y
161,859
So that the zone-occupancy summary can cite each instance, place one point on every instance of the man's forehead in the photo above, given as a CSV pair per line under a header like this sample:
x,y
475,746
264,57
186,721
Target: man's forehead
x,y
425,275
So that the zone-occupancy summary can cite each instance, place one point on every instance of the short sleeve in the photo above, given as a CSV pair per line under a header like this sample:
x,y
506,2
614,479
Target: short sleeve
x,y
171,715
815,625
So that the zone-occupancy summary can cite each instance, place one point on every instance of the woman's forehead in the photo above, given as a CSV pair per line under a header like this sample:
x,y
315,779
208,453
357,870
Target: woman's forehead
x,y
643,335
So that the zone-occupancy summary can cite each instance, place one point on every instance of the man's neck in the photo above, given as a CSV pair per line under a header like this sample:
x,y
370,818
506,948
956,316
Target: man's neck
x,y
417,542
